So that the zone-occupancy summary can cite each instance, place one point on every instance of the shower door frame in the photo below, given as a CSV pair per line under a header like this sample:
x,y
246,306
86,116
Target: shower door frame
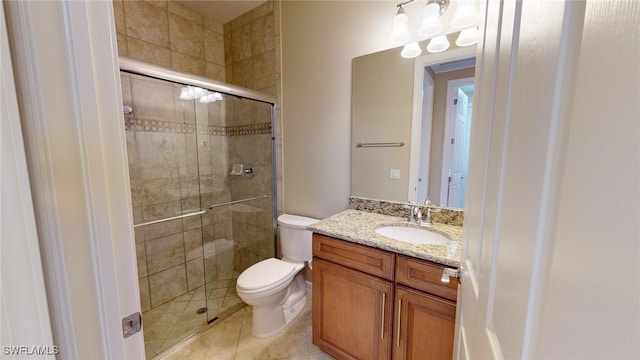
x,y
140,68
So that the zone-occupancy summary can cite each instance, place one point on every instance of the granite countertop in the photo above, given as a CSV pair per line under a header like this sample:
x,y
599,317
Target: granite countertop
x,y
359,227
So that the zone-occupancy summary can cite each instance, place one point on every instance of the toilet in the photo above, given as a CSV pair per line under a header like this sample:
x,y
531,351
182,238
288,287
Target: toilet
x,y
276,287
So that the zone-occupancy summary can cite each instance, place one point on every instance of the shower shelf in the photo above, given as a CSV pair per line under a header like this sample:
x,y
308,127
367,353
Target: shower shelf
x,y
199,212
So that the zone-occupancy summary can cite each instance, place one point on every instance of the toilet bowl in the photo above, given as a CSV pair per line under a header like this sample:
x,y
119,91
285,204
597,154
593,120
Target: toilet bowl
x,y
276,288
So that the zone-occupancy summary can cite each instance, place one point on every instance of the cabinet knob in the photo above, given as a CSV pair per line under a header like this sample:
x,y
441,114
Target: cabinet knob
x,y
447,273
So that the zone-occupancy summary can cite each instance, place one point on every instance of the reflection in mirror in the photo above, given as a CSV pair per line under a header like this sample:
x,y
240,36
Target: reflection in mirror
x,y
404,101
447,102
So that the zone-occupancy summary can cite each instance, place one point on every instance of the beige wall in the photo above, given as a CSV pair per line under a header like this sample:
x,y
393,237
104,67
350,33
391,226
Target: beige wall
x,y
169,35
319,40
382,112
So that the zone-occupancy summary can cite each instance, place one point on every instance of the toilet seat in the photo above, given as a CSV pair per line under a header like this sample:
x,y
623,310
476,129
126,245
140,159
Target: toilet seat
x,y
266,275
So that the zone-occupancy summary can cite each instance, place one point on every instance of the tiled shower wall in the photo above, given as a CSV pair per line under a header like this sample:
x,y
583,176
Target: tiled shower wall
x,y
167,34
252,47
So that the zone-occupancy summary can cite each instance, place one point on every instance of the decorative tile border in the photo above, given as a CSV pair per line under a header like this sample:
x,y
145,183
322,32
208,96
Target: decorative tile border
x,y
392,208
253,129
134,124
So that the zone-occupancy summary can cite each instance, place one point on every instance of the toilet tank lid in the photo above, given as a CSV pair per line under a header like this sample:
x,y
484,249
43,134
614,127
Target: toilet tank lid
x,y
296,221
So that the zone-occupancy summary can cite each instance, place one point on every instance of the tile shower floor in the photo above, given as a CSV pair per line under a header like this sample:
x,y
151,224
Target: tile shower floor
x,y
170,323
231,339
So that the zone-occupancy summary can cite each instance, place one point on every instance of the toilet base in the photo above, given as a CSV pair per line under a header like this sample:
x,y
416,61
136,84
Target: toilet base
x,y
268,321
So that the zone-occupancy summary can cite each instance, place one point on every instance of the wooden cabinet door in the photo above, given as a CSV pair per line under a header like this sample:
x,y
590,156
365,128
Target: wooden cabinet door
x,y
351,312
423,325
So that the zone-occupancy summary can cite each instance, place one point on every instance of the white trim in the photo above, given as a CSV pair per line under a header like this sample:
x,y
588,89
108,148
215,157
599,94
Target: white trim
x,y
417,131
416,119
70,98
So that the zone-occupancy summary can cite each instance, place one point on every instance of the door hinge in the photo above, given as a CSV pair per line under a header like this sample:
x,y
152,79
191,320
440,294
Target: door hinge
x,y
455,101
131,324
453,141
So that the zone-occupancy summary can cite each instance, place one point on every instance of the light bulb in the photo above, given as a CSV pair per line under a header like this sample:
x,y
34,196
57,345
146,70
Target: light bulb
x,y
468,37
184,93
465,15
431,23
411,50
198,92
400,33
438,44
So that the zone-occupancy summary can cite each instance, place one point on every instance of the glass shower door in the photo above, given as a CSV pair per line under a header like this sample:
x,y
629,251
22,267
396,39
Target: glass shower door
x,y
242,212
169,215
202,187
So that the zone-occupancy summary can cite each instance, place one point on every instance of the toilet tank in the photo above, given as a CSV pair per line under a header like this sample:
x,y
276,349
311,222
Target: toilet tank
x,y
295,239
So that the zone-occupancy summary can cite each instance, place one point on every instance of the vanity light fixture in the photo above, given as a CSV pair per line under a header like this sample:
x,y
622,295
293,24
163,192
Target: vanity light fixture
x,y
400,33
465,18
468,37
438,44
411,50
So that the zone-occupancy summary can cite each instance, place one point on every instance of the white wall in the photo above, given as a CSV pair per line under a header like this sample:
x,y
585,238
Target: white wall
x,y
319,40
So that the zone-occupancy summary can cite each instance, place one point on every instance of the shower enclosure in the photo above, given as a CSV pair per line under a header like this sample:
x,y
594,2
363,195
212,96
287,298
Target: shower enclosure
x,y
201,165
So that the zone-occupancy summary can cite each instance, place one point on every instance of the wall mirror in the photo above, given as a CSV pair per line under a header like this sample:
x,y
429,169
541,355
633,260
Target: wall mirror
x,y
411,124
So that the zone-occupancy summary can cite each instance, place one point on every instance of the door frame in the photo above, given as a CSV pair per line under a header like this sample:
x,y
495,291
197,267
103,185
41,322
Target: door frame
x,y
450,120
419,133
67,76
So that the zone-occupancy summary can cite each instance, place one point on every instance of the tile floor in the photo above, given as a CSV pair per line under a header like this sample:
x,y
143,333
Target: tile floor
x,y
172,322
231,339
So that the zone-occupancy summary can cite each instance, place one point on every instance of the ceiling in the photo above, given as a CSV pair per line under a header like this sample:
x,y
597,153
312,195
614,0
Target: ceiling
x,y
220,11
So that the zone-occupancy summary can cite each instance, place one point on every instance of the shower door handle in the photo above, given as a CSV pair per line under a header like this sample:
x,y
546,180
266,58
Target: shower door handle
x,y
199,212
212,206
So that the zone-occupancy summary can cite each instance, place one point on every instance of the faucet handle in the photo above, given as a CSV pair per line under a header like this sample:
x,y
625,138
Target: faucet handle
x,y
413,209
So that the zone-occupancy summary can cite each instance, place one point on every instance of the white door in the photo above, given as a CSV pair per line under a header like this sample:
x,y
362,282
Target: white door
x,y
24,316
460,151
66,74
548,146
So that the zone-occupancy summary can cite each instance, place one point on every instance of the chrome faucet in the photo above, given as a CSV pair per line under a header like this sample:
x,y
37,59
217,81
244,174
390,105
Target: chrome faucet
x,y
430,208
413,211
417,212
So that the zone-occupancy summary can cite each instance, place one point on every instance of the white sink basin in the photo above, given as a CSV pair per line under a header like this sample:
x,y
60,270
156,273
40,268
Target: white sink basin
x,y
412,235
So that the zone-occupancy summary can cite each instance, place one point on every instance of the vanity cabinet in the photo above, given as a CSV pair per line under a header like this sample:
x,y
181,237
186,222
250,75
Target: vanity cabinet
x,y
373,304
352,299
